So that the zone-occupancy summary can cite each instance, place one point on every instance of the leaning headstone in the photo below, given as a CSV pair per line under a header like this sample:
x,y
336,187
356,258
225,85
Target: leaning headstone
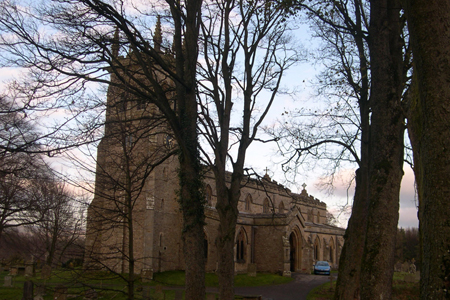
x,y
46,272
179,295
8,281
60,293
27,290
251,270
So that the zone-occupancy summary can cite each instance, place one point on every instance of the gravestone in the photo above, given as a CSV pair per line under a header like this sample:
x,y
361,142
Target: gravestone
x,y
46,272
13,271
60,293
29,270
8,281
147,275
251,270
27,290
405,267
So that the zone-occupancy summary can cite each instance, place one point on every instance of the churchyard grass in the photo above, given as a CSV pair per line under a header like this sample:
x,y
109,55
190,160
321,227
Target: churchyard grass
x,y
103,283
402,289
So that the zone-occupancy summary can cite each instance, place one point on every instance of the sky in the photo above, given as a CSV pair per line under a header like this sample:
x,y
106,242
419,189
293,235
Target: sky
x,y
341,194
262,156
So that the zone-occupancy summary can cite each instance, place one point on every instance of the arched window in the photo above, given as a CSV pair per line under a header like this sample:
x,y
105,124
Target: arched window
x,y
310,216
248,202
281,208
316,249
266,206
241,247
208,192
318,217
332,250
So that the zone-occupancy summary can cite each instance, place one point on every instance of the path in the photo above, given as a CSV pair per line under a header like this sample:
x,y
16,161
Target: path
x,y
297,289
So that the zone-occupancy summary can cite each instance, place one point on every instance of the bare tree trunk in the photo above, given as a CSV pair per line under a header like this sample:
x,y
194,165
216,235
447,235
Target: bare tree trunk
x,y
193,235
348,282
429,27
386,149
228,213
131,259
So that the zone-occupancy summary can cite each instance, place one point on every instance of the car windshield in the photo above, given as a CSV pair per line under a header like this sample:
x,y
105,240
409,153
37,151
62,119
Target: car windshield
x,y
322,264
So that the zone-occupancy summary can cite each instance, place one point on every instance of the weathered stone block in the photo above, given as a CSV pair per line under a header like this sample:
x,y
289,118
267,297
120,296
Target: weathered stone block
x,y
147,275
8,281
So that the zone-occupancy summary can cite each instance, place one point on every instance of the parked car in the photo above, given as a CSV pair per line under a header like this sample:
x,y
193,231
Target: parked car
x,y
322,267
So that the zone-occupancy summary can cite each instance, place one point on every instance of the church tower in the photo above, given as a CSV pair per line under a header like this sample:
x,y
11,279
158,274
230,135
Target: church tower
x,y
133,213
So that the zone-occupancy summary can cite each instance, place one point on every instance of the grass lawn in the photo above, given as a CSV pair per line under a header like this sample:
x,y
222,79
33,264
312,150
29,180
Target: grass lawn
x,y
401,290
112,287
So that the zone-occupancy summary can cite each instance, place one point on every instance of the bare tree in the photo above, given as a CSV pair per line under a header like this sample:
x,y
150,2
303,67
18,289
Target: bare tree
x,y
357,45
87,50
246,49
62,223
20,204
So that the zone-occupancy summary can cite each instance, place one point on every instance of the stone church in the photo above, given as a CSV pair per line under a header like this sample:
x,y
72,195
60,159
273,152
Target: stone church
x,y
135,214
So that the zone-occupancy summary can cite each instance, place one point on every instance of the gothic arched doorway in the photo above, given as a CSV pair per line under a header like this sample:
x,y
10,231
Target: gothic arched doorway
x,y
293,254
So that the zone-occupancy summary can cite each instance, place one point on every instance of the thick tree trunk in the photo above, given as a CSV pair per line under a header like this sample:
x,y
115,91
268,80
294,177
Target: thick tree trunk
x,y
386,149
347,286
192,203
227,200
429,27
348,282
191,185
227,229
193,235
